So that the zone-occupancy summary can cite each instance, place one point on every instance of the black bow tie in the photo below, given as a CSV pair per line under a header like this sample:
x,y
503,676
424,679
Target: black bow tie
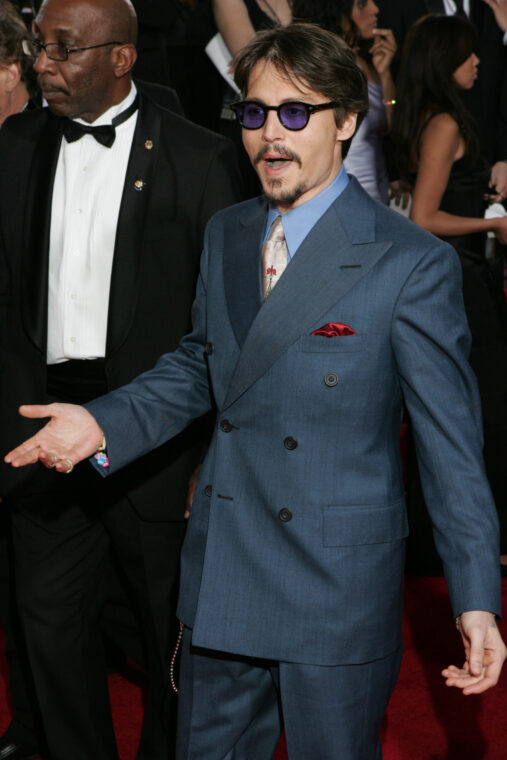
x,y
105,134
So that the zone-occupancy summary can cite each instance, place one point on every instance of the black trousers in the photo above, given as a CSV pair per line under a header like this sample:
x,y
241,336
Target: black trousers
x,y
24,728
62,543
61,553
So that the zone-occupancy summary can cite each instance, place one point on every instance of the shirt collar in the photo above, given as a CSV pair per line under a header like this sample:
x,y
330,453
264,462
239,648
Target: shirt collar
x,y
298,222
108,116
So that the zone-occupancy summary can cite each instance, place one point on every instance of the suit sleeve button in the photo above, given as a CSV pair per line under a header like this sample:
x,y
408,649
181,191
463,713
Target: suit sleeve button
x,y
285,515
290,443
209,348
208,491
331,379
225,426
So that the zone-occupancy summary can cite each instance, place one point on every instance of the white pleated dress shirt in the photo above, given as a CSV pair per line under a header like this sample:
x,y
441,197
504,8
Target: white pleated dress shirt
x,y
450,7
86,201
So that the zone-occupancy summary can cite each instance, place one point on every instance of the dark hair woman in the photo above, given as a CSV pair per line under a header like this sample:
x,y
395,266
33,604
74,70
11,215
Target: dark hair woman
x,y
438,151
355,21
437,148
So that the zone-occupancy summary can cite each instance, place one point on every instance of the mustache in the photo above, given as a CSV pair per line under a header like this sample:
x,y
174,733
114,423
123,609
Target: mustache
x,y
45,84
279,150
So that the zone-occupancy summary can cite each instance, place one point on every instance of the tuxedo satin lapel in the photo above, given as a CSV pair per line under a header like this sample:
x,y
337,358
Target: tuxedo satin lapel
x,y
327,265
37,229
132,218
241,261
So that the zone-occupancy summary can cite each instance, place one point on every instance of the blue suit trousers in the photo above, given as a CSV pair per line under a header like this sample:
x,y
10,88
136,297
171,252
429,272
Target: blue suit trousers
x,y
234,708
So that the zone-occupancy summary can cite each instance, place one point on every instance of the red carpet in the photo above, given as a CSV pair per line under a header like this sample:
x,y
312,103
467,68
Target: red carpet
x,y
425,719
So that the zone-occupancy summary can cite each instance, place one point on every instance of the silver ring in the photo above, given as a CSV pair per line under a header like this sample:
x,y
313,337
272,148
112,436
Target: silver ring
x,y
54,460
70,465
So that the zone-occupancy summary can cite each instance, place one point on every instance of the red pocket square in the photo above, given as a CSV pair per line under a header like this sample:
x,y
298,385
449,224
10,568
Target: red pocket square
x,y
334,328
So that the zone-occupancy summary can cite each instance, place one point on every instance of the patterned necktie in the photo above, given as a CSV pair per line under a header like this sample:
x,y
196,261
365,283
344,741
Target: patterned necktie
x,y
274,257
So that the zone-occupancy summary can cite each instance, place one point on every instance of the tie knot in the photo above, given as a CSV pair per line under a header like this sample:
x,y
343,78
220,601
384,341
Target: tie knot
x,y
277,234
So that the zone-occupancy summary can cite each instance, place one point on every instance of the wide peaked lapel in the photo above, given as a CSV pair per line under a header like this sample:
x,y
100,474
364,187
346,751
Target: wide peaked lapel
x,y
241,263
37,228
128,248
334,256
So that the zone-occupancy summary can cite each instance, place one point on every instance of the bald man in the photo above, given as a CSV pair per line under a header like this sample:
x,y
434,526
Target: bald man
x,y
103,201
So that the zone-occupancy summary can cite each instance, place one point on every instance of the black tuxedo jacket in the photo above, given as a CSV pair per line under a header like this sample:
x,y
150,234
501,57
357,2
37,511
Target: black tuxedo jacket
x,y
178,175
487,101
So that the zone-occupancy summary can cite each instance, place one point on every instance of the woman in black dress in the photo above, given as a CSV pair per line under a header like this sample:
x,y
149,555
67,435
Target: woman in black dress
x,y
438,153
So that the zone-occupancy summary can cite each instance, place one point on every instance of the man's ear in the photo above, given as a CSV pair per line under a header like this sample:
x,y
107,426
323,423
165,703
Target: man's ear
x,y
347,128
123,58
11,76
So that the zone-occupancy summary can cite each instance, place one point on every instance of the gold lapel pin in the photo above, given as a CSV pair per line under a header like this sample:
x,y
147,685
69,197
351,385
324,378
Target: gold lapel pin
x,y
139,184
148,144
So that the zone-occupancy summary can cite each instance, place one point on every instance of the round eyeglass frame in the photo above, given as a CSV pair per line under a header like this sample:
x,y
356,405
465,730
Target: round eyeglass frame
x,y
308,108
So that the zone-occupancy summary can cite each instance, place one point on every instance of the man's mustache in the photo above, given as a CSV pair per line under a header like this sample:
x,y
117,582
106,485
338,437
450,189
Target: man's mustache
x,y
45,84
279,150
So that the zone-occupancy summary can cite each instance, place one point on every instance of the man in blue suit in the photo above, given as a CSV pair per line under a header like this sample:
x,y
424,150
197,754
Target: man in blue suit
x,y
292,567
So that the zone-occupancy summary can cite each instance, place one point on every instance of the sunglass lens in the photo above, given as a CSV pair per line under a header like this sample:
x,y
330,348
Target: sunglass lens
x,y
294,115
251,116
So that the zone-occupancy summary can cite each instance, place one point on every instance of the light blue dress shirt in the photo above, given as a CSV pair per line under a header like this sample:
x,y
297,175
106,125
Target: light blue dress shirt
x,y
298,222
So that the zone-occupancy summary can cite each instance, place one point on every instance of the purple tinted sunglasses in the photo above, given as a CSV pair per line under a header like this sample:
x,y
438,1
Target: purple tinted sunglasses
x,y
293,115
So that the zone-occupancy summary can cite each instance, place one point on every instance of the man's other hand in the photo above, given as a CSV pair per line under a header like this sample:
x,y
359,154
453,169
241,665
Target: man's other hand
x,y
71,435
484,650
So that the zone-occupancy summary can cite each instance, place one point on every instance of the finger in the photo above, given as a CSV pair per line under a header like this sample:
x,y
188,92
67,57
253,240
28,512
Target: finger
x,y
23,455
455,670
461,677
48,458
462,680
489,679
35,411
28,451
468,684
64,465
476,656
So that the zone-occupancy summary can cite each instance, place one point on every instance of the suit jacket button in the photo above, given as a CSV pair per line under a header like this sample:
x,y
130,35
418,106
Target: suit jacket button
x,y
209,348
285,515
290,443
225,426
331,379
208,491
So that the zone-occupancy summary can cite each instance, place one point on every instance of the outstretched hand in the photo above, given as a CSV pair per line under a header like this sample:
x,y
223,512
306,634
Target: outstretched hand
x,y
484,650
71,435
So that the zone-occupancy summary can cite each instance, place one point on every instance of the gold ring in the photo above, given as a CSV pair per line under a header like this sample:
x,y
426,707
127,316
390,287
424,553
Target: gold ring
x,y
70,465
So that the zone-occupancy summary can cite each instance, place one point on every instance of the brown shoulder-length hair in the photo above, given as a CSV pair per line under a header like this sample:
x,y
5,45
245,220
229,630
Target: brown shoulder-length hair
x,y
313,57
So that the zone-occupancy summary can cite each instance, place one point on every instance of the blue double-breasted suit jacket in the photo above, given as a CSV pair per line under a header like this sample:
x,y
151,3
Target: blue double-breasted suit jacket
x,y
295,544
